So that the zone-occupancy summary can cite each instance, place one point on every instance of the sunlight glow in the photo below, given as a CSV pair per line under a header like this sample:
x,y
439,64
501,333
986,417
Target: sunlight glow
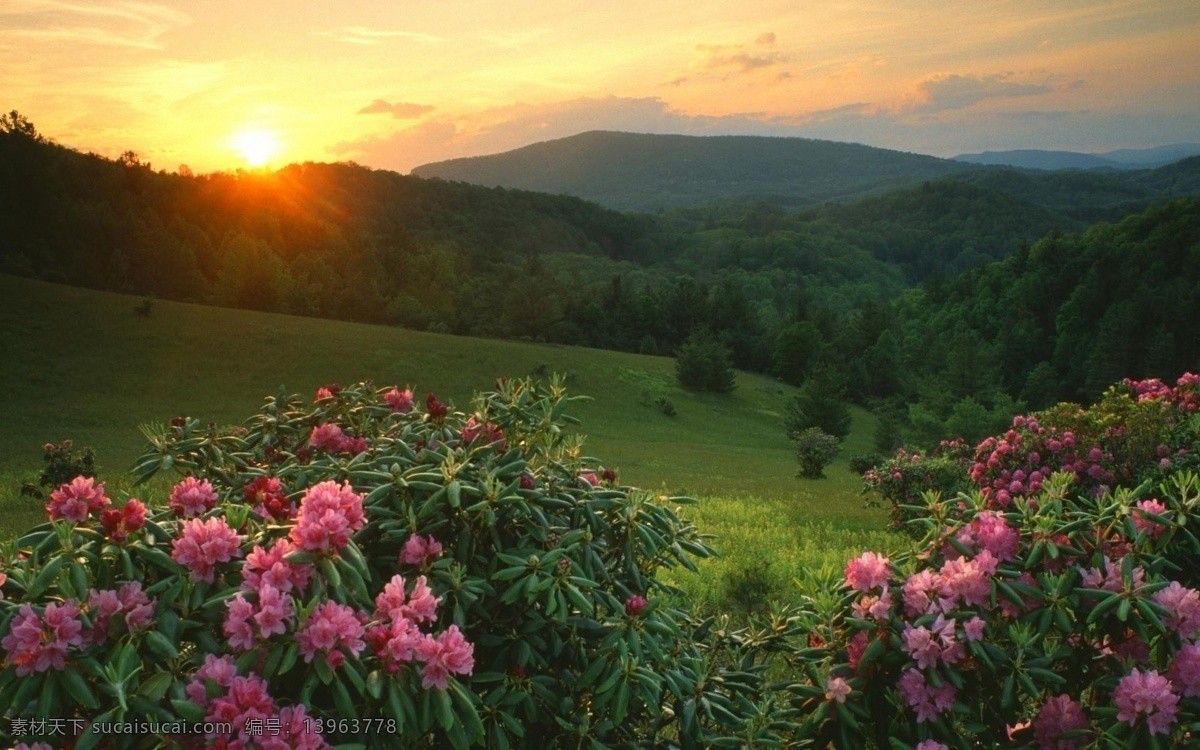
x,y
257,147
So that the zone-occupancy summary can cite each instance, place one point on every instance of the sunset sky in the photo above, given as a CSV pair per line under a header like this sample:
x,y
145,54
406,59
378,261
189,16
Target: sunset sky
x,y
216,84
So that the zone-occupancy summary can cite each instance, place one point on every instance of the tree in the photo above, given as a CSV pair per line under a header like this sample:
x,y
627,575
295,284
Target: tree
x,y
704,364
796,347
814,450
820,403
16,123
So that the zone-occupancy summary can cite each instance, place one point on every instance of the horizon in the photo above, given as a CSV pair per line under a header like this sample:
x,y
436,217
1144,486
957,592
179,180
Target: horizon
x,y
218,86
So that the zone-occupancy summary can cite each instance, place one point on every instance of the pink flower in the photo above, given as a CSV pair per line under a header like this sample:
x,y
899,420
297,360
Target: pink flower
x,y
192,498
220,670
329,514
448,654
328,437
992,532
400,401
329,628
34,746
422,605
296,732
1058,715
267,497
1152,528
856,648
272,613
36,644
635,605
490,433
263,567
1185,670
927,701
1147,693
836,689
974,629
76,500
420,550
920,593
119,524
869,606
436,409
138,608
201,545
589,477
931,745
868,572
1184,607
247,700
237,628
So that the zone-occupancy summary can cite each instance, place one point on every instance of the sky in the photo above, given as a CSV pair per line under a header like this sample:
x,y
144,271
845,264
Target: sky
x,y
221,84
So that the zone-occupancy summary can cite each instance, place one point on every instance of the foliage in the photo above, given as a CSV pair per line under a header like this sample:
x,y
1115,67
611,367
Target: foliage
x,y
63,465
861,463
820,403
902,481
814,450
704,364
458,578
1061,615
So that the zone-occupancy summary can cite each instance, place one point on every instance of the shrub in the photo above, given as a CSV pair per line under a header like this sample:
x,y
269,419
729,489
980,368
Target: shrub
x,y
703,363
905,480
451,578
62,464
861,463
814,450
1061,616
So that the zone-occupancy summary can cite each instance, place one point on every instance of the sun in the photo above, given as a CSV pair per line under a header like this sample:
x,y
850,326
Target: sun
x,y
257,147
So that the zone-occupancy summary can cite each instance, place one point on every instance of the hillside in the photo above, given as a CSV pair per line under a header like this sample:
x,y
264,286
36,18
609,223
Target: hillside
x,y
1129,158
82,364
642,172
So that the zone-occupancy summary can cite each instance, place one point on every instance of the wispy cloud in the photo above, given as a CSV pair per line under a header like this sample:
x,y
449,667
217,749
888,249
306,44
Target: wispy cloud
x,y
399,110
726,60
367,36
122,24
942,92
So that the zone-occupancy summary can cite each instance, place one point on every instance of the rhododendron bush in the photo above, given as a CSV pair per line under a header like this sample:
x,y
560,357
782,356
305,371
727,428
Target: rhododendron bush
x,y
1055,606
358,569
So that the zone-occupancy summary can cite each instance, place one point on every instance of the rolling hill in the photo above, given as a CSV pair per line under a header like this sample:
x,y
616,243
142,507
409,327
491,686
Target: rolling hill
x,y
642,172
1129,158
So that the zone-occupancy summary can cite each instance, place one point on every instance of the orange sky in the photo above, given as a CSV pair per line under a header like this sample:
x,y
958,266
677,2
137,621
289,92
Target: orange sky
x,y
395,85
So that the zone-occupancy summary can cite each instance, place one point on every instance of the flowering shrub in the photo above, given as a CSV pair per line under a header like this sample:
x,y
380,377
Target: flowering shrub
x,y
904,480
356,570
1063,614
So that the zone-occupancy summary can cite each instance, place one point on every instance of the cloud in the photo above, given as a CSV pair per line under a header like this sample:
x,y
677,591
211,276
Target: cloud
x,y
366,36
399,110
943,92
726,60
122,24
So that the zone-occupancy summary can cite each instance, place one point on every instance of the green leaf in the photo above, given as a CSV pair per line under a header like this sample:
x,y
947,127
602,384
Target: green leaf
x,y
77,687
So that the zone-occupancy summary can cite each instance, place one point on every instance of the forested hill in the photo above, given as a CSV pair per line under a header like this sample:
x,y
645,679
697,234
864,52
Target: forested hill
x,y
643,172
1062,319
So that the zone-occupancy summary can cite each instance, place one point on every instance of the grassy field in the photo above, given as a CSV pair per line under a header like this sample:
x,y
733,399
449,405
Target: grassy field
x,y
83,365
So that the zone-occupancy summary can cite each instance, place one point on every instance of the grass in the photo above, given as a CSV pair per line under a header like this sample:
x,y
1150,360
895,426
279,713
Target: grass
x,y
82,364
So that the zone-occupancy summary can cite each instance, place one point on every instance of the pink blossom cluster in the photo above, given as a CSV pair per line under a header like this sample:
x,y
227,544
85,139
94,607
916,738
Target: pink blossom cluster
x,y
488,432
931,745
396,639
868,571
204,544
77,499
928,646
333,629
635,605
327,391
1146,694
118,524
874,607
266,496
958,582
1058,715
1110,578
989,531
268,567
1184,671
836,689
927,700
129,601
329,513
1185,396
249,622
1183,604
1152,528
246,705
193,497
401,401
436,409
36,643
420,550
329,437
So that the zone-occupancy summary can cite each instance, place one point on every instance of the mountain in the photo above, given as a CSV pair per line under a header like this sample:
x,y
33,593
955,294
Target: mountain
x,y
642,172
1129,158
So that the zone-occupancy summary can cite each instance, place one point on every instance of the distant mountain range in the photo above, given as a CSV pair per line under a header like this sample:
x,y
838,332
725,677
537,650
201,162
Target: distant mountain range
x,y
1145,158
642,172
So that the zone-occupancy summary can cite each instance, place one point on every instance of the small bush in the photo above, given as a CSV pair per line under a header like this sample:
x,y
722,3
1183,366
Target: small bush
x,y
814,450
861,463
62,464
704,364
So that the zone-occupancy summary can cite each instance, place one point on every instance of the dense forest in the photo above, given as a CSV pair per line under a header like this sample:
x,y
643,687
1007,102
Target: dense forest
x,y
944,306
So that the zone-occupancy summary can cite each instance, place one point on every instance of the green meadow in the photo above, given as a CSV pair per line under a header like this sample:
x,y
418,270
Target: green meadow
x,y
84,365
